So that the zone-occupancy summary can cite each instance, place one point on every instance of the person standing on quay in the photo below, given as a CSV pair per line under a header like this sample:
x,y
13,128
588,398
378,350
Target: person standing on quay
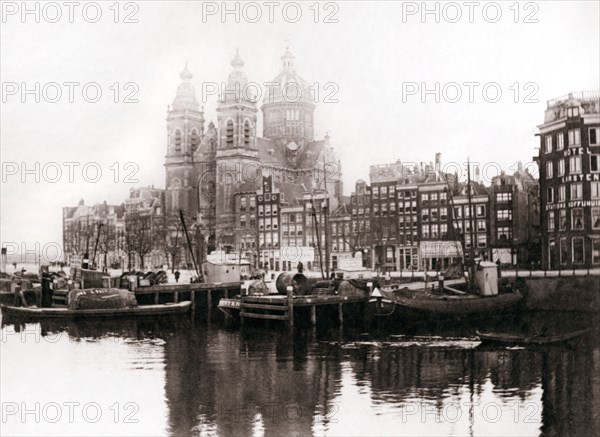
x,y
177,275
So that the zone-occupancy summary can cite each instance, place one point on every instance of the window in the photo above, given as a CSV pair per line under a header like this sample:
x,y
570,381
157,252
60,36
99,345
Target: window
x,y
443,213
424,199
577,218
551,221
550,196
178,140
433,197
392,191
503,197
596,251
576,191
434,231
481,226
578,250
481,241
595,163
548,148
504,214
425,214
467,241
425,231
595,218
504,233
375,191
480,210
595,189
383,191
229,134
594,136
562,222
574,138
564,251
560,139
562,193
434,214
458,212
243,220
549,168
573,111
561,167
443,230
575,164
246,133
195,140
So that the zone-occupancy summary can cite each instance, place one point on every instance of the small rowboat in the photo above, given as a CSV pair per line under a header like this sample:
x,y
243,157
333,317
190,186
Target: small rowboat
x,y
79,314
496,337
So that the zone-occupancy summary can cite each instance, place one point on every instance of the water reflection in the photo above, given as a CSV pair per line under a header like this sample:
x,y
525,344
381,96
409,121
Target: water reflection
x,y
429,381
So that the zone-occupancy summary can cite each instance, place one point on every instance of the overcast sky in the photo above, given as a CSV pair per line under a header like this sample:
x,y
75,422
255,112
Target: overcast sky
x,y
371,53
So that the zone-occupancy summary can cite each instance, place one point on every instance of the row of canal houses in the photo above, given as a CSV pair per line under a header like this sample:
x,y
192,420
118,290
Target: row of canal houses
x,y
408,218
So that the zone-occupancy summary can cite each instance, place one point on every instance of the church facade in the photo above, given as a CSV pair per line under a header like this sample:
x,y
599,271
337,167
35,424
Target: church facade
x,y
207,166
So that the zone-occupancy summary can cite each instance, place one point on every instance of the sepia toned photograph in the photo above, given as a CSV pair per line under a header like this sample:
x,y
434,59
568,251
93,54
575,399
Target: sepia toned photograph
x,y
300,218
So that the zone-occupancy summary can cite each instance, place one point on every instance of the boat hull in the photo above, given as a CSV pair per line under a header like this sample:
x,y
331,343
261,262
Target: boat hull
x,y
446,307
230,307
69,314
515,339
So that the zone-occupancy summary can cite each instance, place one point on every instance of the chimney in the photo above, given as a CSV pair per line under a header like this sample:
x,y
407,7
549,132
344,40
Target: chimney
x,y
438,162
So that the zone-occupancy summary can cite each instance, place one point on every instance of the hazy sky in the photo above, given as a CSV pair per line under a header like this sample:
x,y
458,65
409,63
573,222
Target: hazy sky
x,y
372,53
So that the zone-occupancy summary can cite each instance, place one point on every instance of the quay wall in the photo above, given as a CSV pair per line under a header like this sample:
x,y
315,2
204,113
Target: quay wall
x,y
568,293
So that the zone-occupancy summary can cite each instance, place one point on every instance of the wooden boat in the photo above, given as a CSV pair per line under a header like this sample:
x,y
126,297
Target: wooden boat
x,y
230,306
516,339
419,303
69,314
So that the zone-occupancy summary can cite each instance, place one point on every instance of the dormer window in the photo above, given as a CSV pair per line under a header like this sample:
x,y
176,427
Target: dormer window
x,y
573,111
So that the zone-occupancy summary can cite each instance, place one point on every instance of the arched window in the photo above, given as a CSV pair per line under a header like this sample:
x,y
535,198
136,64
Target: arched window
x,y
247,133
175,183
195,140
178,141
229,133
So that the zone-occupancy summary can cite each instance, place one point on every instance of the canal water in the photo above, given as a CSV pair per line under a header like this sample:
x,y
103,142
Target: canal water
x,y
195,377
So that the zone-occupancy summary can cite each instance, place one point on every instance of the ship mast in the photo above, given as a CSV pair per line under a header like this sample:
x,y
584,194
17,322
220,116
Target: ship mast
x,y
471,247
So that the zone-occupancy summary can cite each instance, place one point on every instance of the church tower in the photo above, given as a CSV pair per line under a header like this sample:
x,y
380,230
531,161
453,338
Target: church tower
x,y
185,128
288,110
237,166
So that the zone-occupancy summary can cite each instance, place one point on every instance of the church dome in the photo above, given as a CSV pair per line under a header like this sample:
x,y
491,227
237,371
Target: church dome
x,y
288,86
186,94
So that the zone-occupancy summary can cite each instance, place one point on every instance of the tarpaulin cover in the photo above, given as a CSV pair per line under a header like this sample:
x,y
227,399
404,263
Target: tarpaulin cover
x,y
100,298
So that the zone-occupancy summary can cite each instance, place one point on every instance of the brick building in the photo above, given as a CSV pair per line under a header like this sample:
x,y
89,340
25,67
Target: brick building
x,y
569,162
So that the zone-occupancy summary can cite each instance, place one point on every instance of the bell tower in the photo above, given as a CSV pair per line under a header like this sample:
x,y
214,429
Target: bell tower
x,y
237,162
185,129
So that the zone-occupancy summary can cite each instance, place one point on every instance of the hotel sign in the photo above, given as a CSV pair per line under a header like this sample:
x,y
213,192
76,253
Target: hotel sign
x,y
573,204
440,249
